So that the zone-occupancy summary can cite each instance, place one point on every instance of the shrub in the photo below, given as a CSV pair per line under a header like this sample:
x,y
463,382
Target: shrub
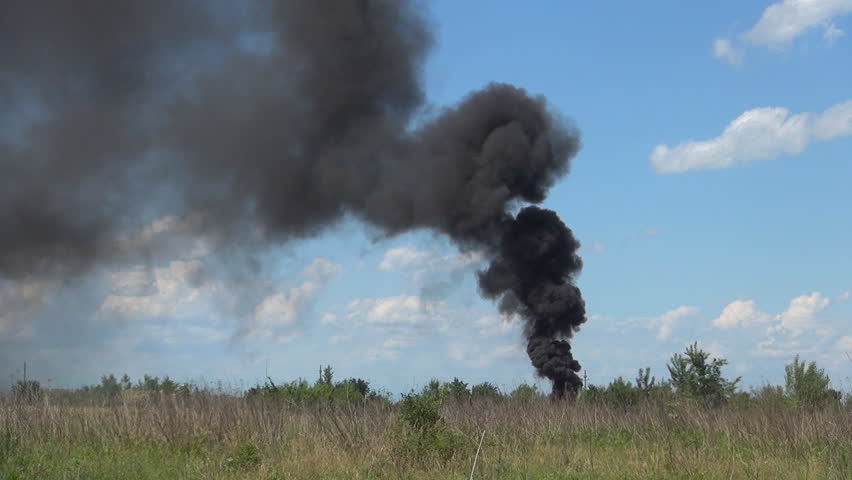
x,y
435,389
621,393
420,412
645,383
770,396
109,387
422,435
525,393
355,385
592,394
458,390
807,385
696,375
485,390
148,383
246,456
300,392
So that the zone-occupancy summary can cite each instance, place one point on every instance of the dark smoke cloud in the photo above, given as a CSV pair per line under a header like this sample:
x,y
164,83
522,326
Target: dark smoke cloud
x,y
80,81
278,119
532,272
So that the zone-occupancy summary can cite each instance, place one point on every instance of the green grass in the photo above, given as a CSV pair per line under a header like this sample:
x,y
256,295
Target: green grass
x,y
222,437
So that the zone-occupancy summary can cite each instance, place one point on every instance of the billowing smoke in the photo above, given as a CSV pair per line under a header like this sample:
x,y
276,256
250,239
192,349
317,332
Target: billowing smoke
x,y
532,271
273,117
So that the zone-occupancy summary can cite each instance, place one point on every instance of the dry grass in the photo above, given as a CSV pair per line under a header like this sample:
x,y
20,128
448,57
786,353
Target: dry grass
x,y
221,436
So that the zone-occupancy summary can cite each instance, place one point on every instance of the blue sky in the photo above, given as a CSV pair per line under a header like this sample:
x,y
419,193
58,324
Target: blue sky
x,y
712,197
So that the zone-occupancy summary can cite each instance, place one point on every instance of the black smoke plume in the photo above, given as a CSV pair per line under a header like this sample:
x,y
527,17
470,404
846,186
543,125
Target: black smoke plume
x,y
532,272
273,117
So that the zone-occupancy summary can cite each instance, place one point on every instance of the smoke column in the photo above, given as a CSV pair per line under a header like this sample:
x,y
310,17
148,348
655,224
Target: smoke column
x,y
273,117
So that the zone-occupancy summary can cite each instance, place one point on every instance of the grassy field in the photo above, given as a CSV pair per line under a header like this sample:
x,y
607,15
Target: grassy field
x,y
215,436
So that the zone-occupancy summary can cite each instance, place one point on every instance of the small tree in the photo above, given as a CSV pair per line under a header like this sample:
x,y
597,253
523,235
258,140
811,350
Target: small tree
x,y
807,385
168,385
362,387
593,394
433,388
148,383
525,393
695,374
326,375
620,392
110,386
485,390
458,390
770,396
645,382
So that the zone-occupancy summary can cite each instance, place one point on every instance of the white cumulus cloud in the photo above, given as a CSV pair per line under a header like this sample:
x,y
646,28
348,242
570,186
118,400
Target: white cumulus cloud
x,y
724,50
833,33
185,334
664,324
276,316
740,312
801,313
756,134
474,356
782,22
401,309
844,344
772,347
164,291
490,325
328,319
400,258
322,270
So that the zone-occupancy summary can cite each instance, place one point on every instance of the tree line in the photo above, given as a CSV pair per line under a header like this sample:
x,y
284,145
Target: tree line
x,y
693,375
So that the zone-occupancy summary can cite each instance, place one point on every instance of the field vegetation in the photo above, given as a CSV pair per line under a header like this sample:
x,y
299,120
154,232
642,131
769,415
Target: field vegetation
x,y
694,424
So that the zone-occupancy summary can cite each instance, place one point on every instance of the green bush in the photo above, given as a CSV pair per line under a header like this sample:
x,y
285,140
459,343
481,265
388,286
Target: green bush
x,y
420,412
621,393
807,385
301,392
525,393
696,375
458,390
485,390
645,383
593,394
246,456
354,385
435,389
422,435
770,396
110,386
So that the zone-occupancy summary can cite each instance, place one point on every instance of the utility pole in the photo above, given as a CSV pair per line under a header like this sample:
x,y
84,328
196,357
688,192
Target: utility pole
x,y
25,373
585,378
